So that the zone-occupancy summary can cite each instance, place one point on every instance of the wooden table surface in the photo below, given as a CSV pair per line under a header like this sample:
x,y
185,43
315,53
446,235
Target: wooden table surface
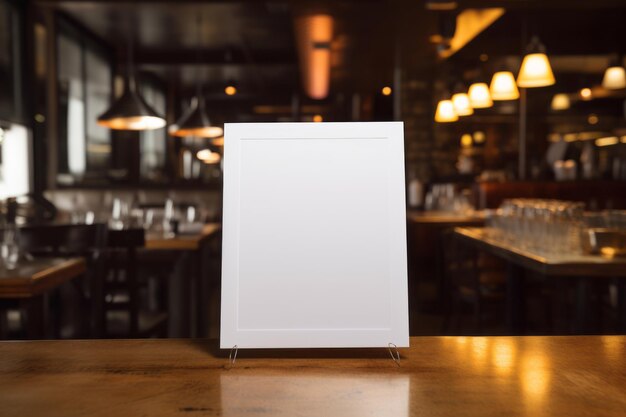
x,y
32,278
187,242
445,218
438,376
561,265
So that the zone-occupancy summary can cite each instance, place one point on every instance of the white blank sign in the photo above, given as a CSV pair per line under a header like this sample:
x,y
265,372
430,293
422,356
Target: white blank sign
x,y
314,226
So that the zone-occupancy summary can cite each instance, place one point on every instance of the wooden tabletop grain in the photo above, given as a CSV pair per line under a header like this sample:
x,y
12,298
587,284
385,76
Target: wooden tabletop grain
x,y
445,218
188,242
34,277
547,264
438,376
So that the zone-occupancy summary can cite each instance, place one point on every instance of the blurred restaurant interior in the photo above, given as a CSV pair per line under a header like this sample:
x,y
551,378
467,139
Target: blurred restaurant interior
x,y
111,139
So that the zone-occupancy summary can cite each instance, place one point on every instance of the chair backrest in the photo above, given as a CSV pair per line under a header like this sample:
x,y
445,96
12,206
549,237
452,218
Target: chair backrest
x,y
64,240
125,239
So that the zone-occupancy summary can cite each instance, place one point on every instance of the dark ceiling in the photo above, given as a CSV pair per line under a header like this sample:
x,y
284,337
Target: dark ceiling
x,y
252,42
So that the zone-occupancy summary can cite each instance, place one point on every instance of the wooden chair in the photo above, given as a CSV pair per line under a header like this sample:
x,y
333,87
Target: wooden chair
x,y
86,241
124,313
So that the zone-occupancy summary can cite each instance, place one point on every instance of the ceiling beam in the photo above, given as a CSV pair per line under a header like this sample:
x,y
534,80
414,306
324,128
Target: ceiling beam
x,y
543,4
223,56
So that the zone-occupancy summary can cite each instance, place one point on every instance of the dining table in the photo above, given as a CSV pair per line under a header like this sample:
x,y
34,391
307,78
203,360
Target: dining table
x,y
436,376
580,269
27,285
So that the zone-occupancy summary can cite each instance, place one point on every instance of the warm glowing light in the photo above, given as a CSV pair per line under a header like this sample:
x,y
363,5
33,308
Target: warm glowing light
x,y
218,141
623,139
314,34
466,140
195,122
607,141
133,123
479,96
592,119
613,347
208,156
570,137
608,252
590,135
462,104
230,90
554,137
535,379
203,132
130,112
614,78
586,93
503,86
479,136
535,71
479,350
560,102
318,118
445,112
503,355
483,57
386,91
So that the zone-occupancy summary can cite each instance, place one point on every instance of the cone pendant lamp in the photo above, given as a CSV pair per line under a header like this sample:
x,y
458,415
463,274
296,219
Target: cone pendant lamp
x,y
535,70
130,111
196,122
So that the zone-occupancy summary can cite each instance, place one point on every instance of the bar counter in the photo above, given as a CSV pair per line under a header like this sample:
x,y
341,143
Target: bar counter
x,y
437,376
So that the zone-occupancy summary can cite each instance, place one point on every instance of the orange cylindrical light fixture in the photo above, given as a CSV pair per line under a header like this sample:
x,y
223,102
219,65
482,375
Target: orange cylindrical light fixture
x,y
314,34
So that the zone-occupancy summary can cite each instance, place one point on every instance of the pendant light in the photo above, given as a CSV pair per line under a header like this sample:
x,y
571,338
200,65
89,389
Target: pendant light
x,y
479,96
560,101
445,112
195,121
503,86
461,102
130,111
535,70
615,75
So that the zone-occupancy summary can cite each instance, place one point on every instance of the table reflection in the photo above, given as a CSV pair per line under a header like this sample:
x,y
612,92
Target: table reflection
x,y
297,393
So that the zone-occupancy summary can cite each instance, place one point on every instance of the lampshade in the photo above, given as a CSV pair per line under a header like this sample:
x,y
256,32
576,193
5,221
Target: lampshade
x,y
479,96
560,102
462,105
131,112
535,70
196,122
503,86
445,112
614,78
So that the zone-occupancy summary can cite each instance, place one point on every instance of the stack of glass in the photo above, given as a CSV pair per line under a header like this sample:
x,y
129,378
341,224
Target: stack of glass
x,y
539,225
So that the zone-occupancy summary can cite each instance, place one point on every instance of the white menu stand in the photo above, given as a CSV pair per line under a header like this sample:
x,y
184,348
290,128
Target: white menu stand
x,y
314,237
